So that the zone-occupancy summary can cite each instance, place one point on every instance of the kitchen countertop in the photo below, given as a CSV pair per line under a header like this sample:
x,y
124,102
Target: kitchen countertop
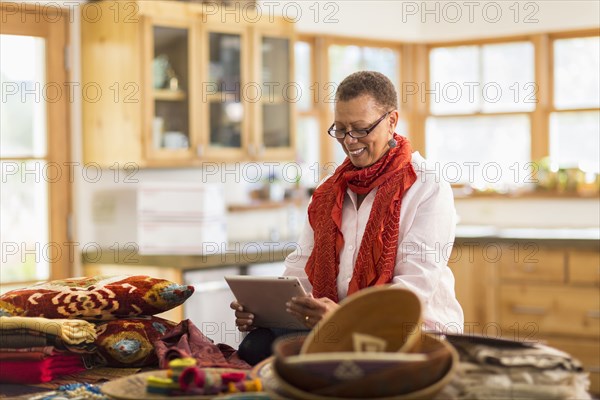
x,y
237,254
575,237
248,253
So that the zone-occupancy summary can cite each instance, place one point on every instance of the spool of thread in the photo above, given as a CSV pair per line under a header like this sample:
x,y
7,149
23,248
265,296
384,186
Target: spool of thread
x,y
177,366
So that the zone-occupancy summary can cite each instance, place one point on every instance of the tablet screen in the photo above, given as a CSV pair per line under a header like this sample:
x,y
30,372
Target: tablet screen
x,y
265,297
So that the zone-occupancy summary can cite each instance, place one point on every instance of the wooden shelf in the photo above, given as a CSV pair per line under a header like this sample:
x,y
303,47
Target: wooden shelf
x,y
169,95
224,96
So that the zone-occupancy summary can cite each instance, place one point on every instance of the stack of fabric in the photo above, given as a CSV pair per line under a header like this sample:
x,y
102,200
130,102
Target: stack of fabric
x,y
37,350
111,317
502,369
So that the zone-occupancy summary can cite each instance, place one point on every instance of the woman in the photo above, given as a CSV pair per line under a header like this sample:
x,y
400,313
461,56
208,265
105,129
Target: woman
x,y
382,217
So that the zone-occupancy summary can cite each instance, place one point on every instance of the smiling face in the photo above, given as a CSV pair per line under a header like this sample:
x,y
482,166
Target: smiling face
x,y
360,113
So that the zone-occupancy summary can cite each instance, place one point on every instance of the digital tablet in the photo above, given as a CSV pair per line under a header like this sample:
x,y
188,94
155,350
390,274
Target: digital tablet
x,y
265,297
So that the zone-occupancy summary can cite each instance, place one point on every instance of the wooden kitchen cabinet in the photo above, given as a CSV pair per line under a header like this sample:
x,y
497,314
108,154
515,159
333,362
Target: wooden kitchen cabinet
x,y
540,311
584,267
273,130
179,87
473,275
533,290
168,116
225,50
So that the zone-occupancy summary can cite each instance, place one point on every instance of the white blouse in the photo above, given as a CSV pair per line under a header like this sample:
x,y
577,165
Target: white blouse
x,y
427,225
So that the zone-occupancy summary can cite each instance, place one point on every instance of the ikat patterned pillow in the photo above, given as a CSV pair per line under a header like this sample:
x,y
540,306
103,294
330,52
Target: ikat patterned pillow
x,y
95,299
130,342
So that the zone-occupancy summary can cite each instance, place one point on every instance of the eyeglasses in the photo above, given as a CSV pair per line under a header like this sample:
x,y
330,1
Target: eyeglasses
x,y
355,133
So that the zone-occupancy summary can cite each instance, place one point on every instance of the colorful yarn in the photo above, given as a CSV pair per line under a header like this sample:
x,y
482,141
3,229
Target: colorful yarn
x,y
177,366
185,378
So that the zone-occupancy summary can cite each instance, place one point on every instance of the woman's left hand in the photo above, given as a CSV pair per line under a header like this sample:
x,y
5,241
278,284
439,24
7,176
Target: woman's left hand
x,y
310,310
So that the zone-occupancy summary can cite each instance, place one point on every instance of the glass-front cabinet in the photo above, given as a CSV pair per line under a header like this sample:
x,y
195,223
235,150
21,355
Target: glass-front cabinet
x,y
226,122
169,113
249,94
193,87
275,122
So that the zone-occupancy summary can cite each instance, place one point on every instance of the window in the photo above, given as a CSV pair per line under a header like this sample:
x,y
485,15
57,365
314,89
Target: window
x,y
304,74
34,200
575,117
480,98
347,59
309,132
486,151
489,78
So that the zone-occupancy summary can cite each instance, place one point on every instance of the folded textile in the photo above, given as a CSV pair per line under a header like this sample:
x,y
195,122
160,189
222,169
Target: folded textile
x,y
519,391
71,331
40,371
186,340
537,356
24,338
473,373
46,349
29,353
515,371
482,382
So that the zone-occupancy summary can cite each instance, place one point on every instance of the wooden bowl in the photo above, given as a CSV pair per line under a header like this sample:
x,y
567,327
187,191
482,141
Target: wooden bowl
x,y
364,375
318,371
390,315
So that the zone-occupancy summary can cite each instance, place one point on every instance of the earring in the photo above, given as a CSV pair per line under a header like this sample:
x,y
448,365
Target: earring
x,y
392,143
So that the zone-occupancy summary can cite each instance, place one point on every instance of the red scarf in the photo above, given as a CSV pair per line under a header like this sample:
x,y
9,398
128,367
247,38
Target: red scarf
x,y
393,175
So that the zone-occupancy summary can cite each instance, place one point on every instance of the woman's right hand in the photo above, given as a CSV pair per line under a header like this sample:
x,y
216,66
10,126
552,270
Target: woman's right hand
x,y
243,320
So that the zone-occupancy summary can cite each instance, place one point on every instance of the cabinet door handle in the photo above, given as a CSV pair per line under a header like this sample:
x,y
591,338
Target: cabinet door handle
x,y
529,310
593,368
261,150
593,314
251,149
199,150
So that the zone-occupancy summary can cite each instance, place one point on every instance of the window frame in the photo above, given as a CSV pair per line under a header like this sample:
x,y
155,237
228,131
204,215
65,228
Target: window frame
x,y
552,37
544,80
56,34
480,43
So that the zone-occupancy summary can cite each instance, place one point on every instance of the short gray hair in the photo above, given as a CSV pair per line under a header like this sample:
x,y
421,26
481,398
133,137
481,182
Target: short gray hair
x,y
372,83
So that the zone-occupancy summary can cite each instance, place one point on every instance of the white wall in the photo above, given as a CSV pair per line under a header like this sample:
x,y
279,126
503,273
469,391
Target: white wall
x,y
430,21
369,19
516,17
